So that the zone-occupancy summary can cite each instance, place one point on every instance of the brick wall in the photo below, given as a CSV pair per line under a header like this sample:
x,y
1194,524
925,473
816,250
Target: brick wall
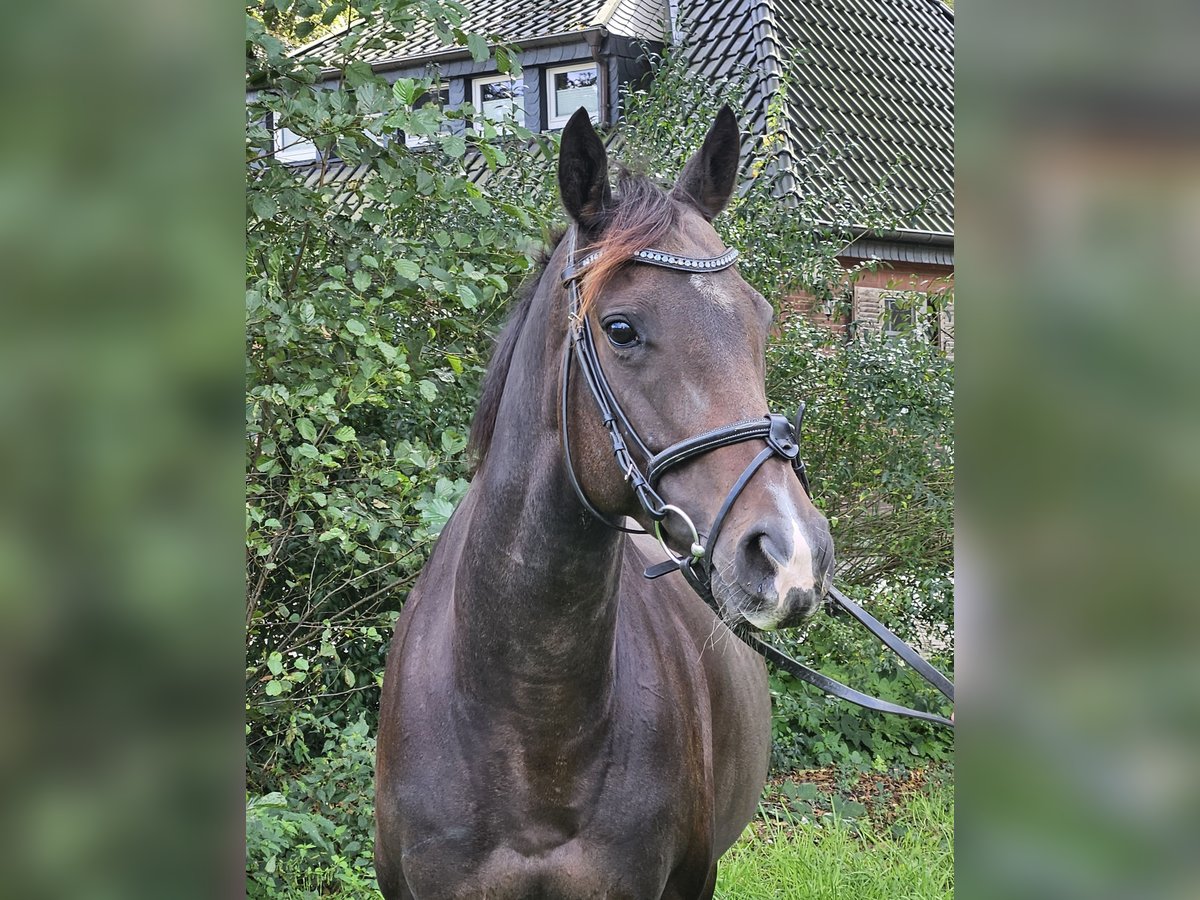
x,y
870,291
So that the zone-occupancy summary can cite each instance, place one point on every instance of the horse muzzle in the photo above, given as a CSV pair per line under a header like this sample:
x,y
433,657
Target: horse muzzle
x,y
779,574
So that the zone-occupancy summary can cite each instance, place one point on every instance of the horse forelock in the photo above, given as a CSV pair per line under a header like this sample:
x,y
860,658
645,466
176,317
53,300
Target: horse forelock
x,y
642,216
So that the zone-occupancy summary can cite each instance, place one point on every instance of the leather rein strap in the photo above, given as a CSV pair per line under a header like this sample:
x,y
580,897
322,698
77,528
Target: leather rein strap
x,y
782,439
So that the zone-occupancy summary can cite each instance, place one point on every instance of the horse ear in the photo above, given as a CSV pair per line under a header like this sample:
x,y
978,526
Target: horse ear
x,y
583,172
707,180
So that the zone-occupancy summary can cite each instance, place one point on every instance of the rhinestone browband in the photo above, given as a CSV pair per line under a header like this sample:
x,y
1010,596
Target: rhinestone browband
x,y
663,259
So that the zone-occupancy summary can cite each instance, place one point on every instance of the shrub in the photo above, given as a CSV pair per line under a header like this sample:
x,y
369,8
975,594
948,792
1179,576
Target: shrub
x,y
314,837
878,443
374,283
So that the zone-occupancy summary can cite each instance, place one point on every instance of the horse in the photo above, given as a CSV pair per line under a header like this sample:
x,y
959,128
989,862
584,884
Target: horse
x,y
552,723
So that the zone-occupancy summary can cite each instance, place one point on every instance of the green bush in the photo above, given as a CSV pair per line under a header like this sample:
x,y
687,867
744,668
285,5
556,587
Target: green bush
x,y
878,443
314,837
372,294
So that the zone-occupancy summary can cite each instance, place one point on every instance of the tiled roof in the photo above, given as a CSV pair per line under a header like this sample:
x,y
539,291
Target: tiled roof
x,y
870,83
870,90
875,78
516,21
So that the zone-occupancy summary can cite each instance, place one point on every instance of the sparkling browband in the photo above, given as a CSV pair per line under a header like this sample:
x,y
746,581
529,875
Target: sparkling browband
x,y
663,259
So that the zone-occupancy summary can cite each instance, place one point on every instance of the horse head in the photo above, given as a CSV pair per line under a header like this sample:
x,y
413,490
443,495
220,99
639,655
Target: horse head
x,y
682,350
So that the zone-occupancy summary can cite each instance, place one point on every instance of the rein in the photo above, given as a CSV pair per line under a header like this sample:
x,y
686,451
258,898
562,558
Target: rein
x,y
782,439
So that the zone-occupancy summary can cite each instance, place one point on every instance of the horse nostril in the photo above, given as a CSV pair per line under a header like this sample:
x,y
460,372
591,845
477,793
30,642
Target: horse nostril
x,y
763,553
771,549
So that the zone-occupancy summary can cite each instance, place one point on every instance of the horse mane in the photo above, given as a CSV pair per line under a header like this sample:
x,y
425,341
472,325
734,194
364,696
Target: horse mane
x,y
484,423
641,215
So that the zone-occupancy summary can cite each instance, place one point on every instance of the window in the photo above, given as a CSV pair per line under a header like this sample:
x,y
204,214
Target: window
x,y
946,324
891,312
567,89
496,96
899,314
910,313
437,99
291,148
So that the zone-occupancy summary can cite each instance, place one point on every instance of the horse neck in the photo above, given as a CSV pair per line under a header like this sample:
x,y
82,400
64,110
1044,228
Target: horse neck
x,y
536,591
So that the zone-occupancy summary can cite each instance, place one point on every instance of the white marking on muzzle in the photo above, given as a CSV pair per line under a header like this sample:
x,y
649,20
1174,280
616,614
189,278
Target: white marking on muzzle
x,y
798,572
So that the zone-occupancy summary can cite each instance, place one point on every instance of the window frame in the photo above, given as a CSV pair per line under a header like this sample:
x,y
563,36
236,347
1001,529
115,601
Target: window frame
x,y
553,118
477,85
419,141
921,318
287,153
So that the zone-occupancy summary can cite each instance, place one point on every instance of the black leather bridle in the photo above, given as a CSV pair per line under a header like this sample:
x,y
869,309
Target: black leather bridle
x,y
779,434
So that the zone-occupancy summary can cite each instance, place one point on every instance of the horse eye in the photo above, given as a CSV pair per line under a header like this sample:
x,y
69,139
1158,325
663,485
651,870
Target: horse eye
x,y
620,333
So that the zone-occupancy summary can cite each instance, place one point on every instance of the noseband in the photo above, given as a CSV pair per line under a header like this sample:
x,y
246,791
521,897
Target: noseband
x,y
781,437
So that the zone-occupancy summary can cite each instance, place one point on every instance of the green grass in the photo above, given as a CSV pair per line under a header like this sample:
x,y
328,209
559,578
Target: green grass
x,y
910,859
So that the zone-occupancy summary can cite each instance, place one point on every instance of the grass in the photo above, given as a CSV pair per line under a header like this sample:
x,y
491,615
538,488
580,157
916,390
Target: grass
x,y
820,833
902,853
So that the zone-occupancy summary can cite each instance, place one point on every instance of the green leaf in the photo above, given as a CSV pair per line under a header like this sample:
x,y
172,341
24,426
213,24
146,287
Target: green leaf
x,y
358,73
264,205
455,145
478,46
455,363
405,91
452,441
356,327
428,390
406,268
345,434
806,791
274,688
506,63
362,280
848,809
332,11
307,430
468,297
438,512
275,662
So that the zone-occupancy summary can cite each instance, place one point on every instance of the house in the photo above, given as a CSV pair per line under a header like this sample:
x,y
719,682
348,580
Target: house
x,y
866,86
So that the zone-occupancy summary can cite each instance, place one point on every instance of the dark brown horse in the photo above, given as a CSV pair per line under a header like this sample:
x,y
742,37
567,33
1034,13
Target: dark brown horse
x,y
554,724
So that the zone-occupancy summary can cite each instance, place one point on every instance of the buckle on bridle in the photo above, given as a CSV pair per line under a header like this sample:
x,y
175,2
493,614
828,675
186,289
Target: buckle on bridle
x,y
783,437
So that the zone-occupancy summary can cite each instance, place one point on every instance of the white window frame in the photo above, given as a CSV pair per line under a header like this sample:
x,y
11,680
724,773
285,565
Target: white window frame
x,y
477,95
892,310
554,119
918,314
417,141
291,148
